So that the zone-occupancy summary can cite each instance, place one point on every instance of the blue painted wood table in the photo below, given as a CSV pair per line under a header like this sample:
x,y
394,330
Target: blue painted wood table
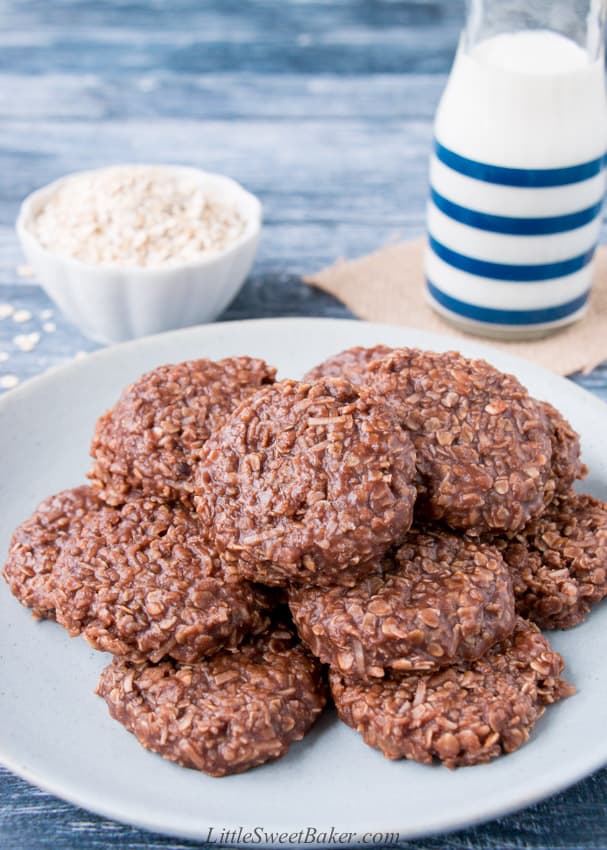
x,y
321,107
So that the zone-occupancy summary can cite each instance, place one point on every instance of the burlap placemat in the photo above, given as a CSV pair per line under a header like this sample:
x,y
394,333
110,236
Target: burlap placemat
x,y
388,286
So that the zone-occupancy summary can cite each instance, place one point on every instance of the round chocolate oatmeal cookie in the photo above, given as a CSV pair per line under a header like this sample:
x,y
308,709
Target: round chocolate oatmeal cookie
x,y
462,715
483,445
307,483
148,443
559,562
445,599
139,582
36,544
566,462
350,365
223,715
353,365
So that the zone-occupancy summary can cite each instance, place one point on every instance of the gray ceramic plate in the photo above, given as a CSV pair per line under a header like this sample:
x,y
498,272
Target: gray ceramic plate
x,y
57,734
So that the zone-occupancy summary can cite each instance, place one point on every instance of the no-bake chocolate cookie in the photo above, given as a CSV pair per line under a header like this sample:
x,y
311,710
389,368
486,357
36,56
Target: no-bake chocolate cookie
x,y
559,562
225,714
462,715
354,365
149,442
307,483
350,365
566,462
442,599
37,543
139,581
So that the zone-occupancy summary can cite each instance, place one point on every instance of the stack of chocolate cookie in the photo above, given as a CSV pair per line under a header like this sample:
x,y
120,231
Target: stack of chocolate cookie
x,y
415,510
206,671
439,655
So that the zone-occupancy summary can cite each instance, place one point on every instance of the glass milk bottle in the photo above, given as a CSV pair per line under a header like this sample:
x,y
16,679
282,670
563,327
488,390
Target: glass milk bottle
x,y
517,173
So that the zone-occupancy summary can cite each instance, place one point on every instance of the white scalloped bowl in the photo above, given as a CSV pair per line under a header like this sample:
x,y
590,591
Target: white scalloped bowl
x,y
118,303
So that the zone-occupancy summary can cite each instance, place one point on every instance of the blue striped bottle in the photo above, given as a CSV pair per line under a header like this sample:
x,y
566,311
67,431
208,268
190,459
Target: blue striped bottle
x,y
517,180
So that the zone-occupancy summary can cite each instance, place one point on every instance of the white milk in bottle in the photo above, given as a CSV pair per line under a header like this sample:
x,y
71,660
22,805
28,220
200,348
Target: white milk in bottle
x,y
517,175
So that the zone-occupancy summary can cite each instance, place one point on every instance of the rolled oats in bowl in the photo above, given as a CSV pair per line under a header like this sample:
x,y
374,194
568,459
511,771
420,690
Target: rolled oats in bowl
x,y
145,216
132,250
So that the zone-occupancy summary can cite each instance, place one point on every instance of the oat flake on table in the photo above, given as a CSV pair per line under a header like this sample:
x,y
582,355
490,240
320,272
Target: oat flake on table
x,y
27,342
7,382
135,216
